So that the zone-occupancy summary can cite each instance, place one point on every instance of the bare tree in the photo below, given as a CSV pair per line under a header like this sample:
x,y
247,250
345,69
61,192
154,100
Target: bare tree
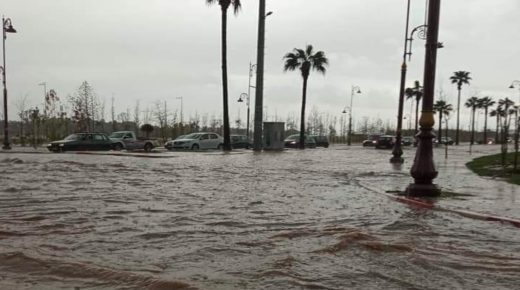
x,y
136,116
84,107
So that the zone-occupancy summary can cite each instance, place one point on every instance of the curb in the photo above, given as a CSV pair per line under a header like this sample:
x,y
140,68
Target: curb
x,y
422,203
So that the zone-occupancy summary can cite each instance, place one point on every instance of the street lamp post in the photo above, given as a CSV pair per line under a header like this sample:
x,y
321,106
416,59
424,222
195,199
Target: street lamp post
x,y
357,90
181,98
240,100
252,67
397,151
6,27
423,169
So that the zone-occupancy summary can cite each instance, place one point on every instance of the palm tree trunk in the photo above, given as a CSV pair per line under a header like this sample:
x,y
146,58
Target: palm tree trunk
x,y
485,125
227,143
302,118
458,116
440,127
472,126
259,86
496,131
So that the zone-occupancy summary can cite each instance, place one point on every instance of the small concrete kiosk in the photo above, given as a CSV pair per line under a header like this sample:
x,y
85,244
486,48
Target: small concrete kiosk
x,y
274,134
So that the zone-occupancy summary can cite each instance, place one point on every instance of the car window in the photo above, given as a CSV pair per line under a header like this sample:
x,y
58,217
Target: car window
x,y
213,136
73,137
98,137
204,137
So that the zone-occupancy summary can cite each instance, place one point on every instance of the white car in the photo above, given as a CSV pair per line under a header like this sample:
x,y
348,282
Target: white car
x,y
196,141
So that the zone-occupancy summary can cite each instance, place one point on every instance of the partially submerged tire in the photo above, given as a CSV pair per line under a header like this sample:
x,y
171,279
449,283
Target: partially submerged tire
x,y
220,146
195,147
148,147
118,147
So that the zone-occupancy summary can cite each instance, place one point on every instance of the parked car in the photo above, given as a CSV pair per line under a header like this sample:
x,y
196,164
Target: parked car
x,y
293,141
385,142
407,140
82,142
445,141
240,141
201,140
370,141
321,141
128,140
169,144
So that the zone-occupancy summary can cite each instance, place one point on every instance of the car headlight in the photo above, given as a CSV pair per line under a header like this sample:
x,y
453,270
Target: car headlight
x,y
61,145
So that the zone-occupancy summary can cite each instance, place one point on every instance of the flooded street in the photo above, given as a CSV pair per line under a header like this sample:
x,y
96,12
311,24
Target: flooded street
x,y
312,219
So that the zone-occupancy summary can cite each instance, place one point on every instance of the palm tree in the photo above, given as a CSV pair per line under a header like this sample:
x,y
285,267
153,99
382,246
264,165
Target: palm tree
x,y
485,103
473,103
224,5
305,60
506,105
459,78
416,94
444,109
498,113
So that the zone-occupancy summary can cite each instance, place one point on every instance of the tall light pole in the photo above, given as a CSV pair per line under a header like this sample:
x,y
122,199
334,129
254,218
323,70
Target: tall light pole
x,y
240,100
252,67
182,117
397,151
6,27
259,88
423,169
354,90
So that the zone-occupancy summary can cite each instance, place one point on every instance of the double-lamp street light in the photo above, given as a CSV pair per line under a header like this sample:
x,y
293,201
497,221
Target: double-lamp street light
x,y
247,95
354,90
240,100
6,27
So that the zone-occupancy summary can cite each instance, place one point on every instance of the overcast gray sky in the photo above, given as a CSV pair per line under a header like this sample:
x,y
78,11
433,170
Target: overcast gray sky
x,y
163,49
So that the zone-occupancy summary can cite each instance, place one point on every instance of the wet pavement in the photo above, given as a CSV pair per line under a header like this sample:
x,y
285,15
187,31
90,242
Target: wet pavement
x,y
312,219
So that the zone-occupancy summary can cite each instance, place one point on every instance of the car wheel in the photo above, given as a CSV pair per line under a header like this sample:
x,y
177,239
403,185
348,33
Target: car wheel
x,y
148,147
118,147
195,147
219,147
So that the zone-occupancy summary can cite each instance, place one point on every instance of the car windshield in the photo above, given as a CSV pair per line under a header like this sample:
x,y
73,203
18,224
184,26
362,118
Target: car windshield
x,y
193,136
117,135
72,137
293,137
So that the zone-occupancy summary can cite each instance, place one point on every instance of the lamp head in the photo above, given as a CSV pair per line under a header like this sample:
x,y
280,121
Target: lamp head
x,y
240,100
344,111
268,13
511,86
10,29
358,91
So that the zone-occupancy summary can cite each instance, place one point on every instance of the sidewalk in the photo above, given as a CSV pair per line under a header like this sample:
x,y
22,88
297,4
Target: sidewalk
x,y
475,194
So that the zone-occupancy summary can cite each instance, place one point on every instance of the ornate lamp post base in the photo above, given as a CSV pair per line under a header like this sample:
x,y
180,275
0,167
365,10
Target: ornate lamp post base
x,y
429,190
397,160
423,169
397,152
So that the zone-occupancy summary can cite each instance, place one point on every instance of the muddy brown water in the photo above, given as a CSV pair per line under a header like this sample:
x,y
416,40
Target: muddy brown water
x,y
312,219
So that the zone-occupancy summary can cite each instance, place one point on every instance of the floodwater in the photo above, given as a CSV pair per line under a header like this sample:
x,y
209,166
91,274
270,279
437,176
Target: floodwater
x,y
312,219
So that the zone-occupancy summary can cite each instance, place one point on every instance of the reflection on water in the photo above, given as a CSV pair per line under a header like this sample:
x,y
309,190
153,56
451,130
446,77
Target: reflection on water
x,y
291,220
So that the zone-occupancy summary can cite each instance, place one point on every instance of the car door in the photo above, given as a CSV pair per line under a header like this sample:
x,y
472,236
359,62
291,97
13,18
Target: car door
x,y
99,142
130,141
214,140
204,141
